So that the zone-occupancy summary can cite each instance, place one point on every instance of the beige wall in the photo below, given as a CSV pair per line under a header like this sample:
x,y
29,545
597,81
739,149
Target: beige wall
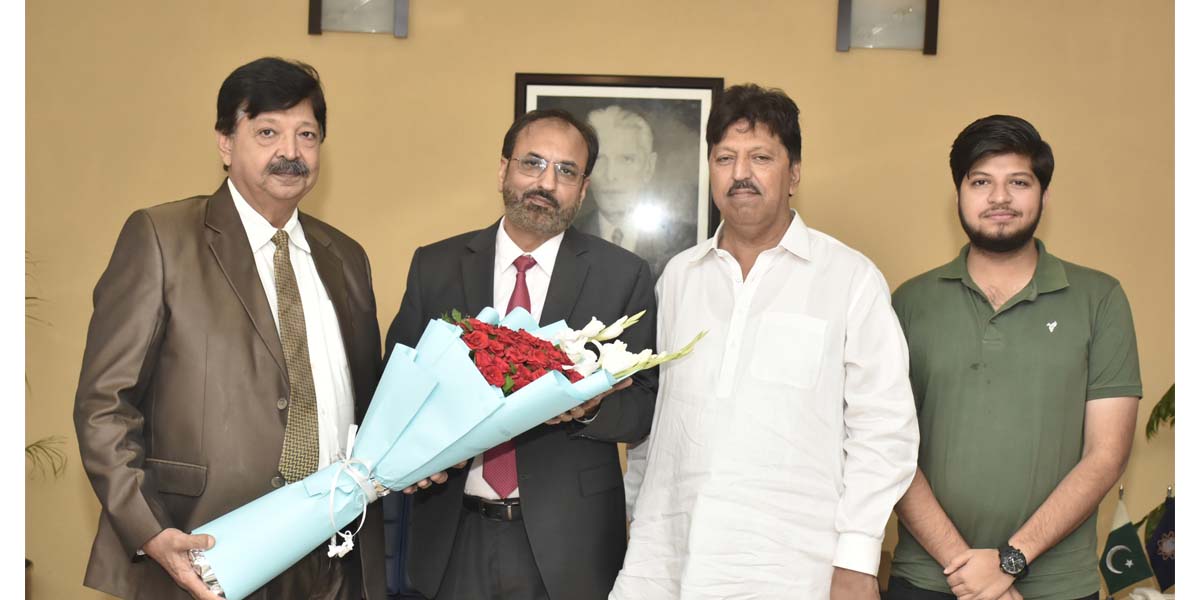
x,y
120,105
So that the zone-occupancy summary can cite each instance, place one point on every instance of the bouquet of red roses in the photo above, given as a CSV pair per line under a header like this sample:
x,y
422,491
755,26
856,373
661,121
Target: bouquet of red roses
x,y
511,359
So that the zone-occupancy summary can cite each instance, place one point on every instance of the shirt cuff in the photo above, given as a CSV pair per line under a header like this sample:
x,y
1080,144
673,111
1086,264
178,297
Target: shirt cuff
x,y
858,552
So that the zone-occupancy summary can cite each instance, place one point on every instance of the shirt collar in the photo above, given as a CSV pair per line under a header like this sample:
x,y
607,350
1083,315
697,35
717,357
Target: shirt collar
x,y
795,240
1048,276
259,230
507,250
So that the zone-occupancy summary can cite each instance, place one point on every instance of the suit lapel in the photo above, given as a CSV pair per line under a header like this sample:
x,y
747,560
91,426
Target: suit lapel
x,y
566,282
329,267
478,267
231,248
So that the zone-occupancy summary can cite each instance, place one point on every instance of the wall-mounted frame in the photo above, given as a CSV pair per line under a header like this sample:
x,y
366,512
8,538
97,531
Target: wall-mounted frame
x,y
903,24
359,16
649,189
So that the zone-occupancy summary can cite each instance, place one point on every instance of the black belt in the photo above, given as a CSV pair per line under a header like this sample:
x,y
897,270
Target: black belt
x,y
497,510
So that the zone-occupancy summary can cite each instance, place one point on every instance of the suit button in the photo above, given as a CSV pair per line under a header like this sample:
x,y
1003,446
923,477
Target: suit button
x,y
277,482
281,403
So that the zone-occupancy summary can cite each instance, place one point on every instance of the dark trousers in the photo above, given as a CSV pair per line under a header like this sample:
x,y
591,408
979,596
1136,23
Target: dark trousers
x,y
316,577
901,589
491,560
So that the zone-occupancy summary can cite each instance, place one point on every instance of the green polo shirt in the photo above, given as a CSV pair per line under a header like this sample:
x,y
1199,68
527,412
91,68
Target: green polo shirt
x,y
1000,397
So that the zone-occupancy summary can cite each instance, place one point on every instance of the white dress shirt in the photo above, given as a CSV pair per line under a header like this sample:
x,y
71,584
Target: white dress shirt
x,y
781,444
326,352
504,280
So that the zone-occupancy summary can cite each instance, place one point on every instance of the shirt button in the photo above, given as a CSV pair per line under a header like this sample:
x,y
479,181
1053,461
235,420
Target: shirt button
x,y
281,403
277,482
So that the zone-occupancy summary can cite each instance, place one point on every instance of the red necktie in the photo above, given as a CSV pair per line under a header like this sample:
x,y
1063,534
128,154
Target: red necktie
x,y
500,463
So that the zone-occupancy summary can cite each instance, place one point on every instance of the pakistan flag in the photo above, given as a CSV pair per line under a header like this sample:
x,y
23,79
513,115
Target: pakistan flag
x,y
1123,563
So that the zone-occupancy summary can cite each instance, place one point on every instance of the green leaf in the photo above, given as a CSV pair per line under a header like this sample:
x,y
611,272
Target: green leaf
x,y
1151,519
508,385
1163,412
456,315
46,455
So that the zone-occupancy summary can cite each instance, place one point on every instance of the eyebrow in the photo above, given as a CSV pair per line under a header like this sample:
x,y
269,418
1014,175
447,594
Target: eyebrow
x,y
759,148
262,117
561,162
985,173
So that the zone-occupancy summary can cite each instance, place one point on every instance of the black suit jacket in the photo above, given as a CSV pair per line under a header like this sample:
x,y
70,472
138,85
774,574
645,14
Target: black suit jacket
x,y
572,497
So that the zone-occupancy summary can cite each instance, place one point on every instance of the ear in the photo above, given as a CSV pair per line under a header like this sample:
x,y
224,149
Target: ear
x,y
225,147
500,175
583,187
1045,198
794,178
651,163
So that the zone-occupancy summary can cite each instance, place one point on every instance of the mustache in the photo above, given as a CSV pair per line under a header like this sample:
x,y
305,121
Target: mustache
x,y
743,184
1001,210
540,193
285,166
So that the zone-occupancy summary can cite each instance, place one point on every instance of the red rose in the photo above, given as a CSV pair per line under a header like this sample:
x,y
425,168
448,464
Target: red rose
x,y
475,340
494,375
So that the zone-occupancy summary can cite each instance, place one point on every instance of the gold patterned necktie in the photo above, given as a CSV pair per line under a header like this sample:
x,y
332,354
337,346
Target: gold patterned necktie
x,y
300,443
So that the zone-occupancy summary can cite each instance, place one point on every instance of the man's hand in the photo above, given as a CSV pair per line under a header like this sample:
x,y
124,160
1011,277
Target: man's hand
x,y
170,549
588,407
853,585
439,478
976,575
1012,594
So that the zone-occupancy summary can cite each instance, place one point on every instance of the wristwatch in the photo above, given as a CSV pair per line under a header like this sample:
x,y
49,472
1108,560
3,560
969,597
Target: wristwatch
x,y
1012,561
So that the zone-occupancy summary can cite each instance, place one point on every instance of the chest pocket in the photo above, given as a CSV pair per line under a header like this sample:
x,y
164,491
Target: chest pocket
x,y
788,349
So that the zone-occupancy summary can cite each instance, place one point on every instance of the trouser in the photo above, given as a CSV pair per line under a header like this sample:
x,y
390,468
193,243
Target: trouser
x,y
901,589
316,577
491,560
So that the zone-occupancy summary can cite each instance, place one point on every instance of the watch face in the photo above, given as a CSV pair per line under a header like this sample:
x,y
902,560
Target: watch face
x,y
1012,562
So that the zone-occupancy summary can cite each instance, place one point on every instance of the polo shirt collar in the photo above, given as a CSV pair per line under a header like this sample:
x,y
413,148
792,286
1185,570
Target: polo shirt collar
x,y
795,240
1048,276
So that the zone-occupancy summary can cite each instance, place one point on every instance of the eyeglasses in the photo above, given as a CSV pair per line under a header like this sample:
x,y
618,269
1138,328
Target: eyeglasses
x,y
534,166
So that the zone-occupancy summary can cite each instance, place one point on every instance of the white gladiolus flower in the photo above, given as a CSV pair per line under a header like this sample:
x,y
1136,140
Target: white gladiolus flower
x,y
575,349
592,329
612,331
586,364
615,358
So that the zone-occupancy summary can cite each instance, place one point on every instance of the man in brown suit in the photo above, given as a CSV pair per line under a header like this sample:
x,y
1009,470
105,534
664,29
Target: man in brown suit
x,y
234,340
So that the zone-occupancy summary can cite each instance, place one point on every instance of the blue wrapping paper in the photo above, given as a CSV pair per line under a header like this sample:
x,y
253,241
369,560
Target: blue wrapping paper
x,y
431,410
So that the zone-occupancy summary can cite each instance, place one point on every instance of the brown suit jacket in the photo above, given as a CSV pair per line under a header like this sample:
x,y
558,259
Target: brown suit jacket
x,y
176,410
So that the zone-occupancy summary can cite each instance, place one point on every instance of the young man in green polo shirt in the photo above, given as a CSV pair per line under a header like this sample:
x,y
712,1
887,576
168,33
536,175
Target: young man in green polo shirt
x,y
1024,368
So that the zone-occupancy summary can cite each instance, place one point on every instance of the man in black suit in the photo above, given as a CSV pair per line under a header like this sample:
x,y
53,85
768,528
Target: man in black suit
x,y
556,529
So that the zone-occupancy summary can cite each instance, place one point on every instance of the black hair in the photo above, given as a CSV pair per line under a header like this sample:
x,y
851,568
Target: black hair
x,y
266,85
523,121
1000,134
770,107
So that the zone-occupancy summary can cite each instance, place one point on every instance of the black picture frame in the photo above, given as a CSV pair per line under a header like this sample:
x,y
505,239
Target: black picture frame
x,y
931,26
676,111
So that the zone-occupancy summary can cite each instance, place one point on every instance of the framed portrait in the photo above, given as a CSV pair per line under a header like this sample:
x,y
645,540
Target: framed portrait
x,y
648,191
895,24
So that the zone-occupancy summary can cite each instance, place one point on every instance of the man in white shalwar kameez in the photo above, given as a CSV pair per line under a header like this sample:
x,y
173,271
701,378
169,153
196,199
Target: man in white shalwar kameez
x,y
780,446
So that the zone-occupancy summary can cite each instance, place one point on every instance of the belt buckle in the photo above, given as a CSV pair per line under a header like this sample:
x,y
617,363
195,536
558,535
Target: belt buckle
x,y
508,512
